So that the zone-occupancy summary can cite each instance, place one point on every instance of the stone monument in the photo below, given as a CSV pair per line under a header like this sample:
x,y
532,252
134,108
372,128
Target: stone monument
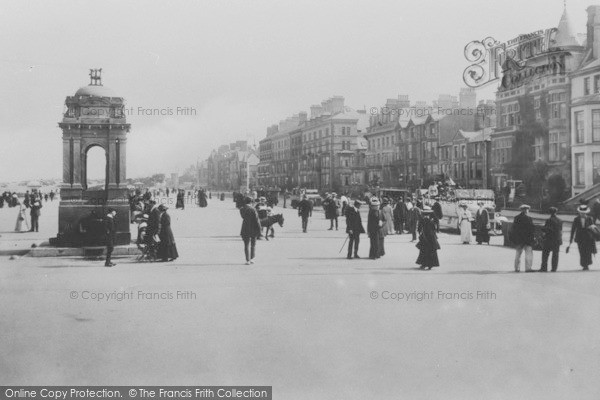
x,y
94,116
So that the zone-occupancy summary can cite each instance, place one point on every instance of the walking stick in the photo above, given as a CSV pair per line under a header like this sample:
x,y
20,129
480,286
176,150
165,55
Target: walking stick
x,y
344,245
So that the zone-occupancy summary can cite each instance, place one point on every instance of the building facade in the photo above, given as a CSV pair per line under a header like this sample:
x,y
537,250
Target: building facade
x,y
585,111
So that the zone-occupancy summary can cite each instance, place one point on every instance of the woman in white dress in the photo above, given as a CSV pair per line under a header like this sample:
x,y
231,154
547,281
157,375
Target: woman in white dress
x,y
464,223
388,217
22,219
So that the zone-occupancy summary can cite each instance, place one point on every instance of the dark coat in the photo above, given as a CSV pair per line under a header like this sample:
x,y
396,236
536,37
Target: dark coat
x,y
373,228
437,210
305,208
428,245
331,208
153,222
166,247
354,221
400,211
250,224
552,233
523,230
482,220
110,231
35,209
580,232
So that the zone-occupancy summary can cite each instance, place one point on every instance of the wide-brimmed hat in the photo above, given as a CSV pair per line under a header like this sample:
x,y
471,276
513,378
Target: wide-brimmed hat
x,y
374,201
262,198
524,207
427,210
357,203
462,204
583,209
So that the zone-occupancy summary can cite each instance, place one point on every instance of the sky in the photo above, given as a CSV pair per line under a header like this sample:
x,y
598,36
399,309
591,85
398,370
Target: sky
x,y
240,65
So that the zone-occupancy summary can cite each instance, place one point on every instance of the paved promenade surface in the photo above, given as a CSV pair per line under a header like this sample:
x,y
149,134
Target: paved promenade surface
x,y
303,318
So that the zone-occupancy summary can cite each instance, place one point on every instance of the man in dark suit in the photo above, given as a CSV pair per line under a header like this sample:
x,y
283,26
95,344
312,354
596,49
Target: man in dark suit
x,y
305,211
354,228
523,237
251,229
35,215
110,232
552,240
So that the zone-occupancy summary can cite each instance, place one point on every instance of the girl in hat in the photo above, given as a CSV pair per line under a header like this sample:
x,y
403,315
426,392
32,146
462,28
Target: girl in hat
x,y
583,237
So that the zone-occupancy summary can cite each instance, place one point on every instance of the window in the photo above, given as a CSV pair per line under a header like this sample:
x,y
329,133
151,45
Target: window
x,y
596,83
536,108
586,86
579,127
579,169
596,166
596,125
463,150
343,130
558,107
510,115
538,146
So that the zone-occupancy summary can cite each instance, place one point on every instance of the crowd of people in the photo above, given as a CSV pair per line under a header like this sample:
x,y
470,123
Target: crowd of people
x,y
386,216
28,217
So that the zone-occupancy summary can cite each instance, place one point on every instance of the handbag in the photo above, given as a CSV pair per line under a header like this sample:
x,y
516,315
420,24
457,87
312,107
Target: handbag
x,y
594,231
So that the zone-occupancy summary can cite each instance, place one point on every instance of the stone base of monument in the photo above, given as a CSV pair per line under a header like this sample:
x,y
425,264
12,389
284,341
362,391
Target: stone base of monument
x,y
80,223
91,252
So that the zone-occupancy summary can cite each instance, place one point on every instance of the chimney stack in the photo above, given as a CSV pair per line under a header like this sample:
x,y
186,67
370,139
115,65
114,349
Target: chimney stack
x,y
303,116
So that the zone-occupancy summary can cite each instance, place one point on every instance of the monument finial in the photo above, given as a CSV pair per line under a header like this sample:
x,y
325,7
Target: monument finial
x,y
96,77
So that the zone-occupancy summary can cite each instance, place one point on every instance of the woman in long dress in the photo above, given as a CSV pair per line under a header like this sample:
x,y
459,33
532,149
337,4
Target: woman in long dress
x,y
464,223
388,217
428,244
583,237
482,223
22,219
167,250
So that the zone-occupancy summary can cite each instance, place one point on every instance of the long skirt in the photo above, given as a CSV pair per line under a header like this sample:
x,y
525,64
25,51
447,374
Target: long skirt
x,y
428,257
482,235
465,231
167,251
21,220
585,254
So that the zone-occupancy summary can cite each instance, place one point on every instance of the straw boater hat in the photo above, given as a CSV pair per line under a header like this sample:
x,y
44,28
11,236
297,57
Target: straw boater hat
x,y
463,204
583,209
524,207
427,210
374,201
